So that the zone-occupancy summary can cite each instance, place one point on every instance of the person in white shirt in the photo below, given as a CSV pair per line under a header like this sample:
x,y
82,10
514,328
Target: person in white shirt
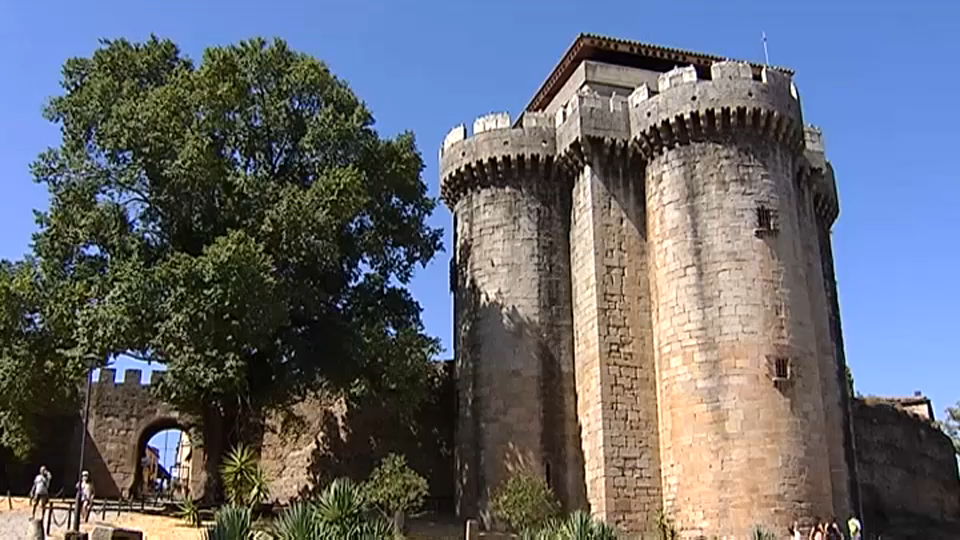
x,y
795,531
40,492
86,495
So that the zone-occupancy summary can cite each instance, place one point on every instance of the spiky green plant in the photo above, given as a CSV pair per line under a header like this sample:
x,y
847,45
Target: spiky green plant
x,y
297,522
231,522
189,512
243,480
576,526
343,513
760,533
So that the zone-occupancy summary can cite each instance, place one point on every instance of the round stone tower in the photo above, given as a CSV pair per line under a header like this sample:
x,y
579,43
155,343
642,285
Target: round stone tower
x,y
511,282
742,417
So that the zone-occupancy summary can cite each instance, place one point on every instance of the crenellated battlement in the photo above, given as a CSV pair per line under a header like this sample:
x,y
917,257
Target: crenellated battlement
x,y
818,171
495,153
686,108
131,378
591,117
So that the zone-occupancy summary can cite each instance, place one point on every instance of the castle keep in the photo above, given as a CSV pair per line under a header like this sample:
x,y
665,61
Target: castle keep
x,y
645,315
645,305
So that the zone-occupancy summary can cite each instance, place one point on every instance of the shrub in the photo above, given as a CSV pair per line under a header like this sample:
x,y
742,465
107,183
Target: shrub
x,y
396,488
524,502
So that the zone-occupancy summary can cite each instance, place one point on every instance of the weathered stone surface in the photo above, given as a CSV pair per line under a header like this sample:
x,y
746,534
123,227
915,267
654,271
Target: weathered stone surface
x,y
907,471
101,532
339,441
630,322
616,379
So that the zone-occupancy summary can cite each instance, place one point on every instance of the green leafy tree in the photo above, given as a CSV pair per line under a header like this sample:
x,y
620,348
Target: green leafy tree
x,y
38,368
396,488
238,220
524,502
951,425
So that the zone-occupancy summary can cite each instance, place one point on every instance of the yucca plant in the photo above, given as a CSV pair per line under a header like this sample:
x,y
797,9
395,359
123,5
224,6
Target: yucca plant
x,y
341,512
243,479
297,522
759,533
576,526
231,523
189,512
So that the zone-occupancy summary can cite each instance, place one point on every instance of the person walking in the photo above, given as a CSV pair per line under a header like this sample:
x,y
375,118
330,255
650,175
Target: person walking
x,y
40,492
86,495
853,524
817,532
795,531
833,531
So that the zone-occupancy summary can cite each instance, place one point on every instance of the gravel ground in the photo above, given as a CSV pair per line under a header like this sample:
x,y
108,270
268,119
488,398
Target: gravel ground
x,y
14,525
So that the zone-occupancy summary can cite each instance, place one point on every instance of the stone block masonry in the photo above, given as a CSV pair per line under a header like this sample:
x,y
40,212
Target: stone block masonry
x,y
706,350
646,314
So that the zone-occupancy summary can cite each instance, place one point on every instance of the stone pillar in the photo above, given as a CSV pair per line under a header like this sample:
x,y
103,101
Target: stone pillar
x,y
513,343
742,420
819,208
616,379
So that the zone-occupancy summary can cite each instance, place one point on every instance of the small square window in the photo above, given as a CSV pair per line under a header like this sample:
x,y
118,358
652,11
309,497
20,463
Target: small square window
x,y
781,368
766,221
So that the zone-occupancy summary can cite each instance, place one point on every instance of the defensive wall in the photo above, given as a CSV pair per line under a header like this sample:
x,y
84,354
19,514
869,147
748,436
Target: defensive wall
x,y
907,470
328,439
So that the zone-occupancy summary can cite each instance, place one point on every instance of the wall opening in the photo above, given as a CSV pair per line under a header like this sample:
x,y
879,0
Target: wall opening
x,y
766,222
164,464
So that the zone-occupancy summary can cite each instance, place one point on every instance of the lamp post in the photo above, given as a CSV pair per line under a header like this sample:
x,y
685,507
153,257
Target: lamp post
x,y
83,441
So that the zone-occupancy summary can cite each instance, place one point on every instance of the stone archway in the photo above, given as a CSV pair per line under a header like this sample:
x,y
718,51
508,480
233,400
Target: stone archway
x,y
145,432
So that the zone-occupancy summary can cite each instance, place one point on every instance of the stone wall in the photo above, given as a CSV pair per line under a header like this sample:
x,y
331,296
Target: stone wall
x,y
123,418
331,439
616,378
907,471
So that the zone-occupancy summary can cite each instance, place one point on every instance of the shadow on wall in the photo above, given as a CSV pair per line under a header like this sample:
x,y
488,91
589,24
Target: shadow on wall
x,y
328,438
94,462
483,326
57,452
908,474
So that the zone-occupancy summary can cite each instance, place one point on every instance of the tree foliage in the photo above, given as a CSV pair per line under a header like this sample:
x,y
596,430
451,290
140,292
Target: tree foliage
x,y
37,375
951,425
395,487
238,220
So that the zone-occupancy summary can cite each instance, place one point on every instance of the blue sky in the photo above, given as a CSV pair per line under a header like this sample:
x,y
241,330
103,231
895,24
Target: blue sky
x,y
878,77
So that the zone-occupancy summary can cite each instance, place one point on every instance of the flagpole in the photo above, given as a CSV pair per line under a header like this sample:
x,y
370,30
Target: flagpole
x,y
766,56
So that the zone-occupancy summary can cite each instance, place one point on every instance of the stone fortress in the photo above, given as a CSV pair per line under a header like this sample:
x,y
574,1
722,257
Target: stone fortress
x,y
645,314
645,309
